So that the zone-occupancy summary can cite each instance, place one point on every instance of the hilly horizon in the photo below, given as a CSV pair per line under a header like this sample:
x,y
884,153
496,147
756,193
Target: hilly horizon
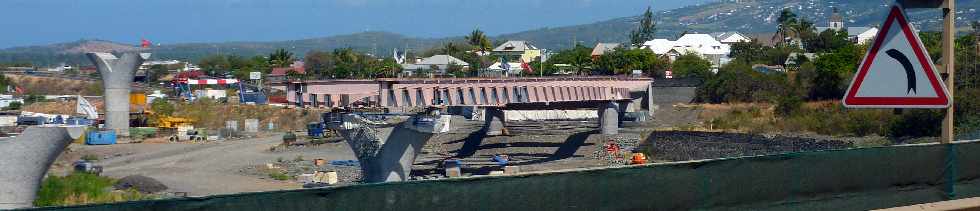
x,y
750,17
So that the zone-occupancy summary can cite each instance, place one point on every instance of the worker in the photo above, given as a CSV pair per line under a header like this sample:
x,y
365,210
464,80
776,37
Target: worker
x,y
638,158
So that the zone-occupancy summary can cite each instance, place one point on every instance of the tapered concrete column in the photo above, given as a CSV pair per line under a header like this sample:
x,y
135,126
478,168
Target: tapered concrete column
x,y
117,74
26,158
387,150
609,118
649,98
621,112
494,121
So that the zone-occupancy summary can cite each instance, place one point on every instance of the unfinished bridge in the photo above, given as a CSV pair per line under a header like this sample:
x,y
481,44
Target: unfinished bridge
x,y
387,143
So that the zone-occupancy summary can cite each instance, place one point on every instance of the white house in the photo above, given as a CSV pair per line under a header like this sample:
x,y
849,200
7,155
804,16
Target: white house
x,y
859,35
731,37
440,62
703,45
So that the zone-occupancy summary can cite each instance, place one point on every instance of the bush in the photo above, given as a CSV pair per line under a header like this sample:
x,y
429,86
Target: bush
x,y
14,105
278,176
917,123
788,104
738,82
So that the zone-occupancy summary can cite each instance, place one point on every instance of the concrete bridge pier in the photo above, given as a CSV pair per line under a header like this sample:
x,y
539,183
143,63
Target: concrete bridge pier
x,y
386,149
494,121
609,114
26,158
117,75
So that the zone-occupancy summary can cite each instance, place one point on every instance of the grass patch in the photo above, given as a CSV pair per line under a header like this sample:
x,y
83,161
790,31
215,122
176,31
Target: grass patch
x,y
278,176
828,118
82,188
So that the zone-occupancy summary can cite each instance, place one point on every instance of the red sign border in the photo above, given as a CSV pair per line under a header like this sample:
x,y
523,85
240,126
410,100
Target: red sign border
x,y
940,101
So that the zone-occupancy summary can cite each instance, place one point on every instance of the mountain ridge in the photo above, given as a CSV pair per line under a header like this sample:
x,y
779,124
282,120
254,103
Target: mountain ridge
x,y
745,16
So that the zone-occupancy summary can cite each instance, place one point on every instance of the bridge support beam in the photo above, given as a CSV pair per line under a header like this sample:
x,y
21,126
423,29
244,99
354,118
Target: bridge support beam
x,y
26,158
494,121
386,151
609,114
117,75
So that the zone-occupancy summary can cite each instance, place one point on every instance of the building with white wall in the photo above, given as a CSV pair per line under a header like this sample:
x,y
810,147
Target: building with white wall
x,y
703,45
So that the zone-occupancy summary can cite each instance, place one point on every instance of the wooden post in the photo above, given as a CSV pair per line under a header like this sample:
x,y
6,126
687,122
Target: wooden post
x,y
949,32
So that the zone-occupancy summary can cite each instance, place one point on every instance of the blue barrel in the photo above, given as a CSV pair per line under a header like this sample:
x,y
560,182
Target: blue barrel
x,y
100,137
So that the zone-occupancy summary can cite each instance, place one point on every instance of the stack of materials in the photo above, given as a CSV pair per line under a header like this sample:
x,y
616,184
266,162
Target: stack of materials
x,y
325,177
453,168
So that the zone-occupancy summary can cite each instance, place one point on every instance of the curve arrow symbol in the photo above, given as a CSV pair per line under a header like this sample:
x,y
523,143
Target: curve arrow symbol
x,y
909,70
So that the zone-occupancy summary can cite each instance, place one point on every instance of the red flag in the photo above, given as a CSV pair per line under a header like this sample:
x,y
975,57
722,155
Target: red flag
x,y
527,68
145,43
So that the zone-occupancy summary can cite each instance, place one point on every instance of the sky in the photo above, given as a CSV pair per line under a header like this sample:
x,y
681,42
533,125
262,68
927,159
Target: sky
x,y
40,22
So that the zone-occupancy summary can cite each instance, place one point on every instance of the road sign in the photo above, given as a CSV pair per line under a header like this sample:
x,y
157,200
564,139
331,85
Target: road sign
x,y
897,71
255,75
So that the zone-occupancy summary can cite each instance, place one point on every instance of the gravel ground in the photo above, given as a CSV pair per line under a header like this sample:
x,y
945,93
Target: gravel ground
x,y
202,168
531,145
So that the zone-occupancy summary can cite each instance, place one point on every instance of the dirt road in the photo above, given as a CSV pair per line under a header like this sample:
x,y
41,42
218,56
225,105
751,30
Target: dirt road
x,y
204,168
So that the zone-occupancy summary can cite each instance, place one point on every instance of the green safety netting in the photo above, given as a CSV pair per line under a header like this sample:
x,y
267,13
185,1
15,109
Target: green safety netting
x,y
852,179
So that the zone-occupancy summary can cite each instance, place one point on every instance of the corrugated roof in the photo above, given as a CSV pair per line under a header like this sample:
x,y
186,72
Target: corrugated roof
x,y
602,48
280,71
693,43
851,31
515,46
442,60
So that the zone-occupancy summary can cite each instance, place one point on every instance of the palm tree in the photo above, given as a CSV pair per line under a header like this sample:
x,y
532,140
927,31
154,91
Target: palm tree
x,y
786,21
803,29
450,49
281,58
479,40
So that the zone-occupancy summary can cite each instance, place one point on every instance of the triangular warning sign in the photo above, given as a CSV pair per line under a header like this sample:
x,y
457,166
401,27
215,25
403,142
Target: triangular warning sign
x,y
897,71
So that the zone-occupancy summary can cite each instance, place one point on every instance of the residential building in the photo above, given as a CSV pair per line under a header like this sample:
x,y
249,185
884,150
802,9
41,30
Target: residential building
x,y
279,73
517,51
858,35
602,48
703,45
437,64
731,37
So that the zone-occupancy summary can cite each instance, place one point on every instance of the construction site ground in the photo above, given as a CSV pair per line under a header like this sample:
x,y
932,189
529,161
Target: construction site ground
x,y
223,167
233,166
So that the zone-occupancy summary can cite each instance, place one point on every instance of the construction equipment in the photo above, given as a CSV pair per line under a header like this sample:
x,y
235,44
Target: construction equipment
x,y
638,158
172,122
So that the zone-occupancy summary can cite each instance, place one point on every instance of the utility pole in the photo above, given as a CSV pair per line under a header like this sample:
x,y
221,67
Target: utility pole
x,y
949,31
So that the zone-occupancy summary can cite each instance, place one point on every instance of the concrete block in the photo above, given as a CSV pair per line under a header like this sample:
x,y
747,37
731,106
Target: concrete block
x,y
330,177
251,125
512,169
232,125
